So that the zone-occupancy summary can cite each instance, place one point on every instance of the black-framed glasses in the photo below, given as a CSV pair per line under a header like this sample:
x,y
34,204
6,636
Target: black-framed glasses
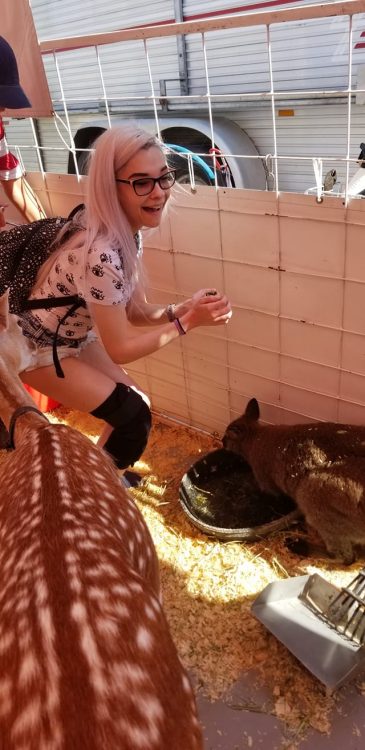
x,y
145,185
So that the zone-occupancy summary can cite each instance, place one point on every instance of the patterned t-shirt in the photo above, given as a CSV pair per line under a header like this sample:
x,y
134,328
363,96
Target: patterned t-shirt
x,y
103,283
10,168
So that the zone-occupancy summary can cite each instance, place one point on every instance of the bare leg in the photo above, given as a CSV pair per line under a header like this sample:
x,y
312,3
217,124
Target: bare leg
x,y
23,198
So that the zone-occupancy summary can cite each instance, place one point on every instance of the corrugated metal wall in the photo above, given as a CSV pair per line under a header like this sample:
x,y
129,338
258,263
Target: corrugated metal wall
x,y
310,55
192,8
124,65
55,18
305,55
313,130
125,73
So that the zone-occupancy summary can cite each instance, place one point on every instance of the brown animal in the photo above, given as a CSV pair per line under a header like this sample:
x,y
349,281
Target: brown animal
x,y
320,465
86,657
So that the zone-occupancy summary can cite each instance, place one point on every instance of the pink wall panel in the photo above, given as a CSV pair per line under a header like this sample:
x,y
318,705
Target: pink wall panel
x,y
295,273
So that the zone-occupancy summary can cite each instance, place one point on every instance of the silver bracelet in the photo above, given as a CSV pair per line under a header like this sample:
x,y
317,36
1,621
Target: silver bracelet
x,y
170,312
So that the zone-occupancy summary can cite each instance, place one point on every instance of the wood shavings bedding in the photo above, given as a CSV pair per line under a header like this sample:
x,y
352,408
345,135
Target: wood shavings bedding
x,y
208,586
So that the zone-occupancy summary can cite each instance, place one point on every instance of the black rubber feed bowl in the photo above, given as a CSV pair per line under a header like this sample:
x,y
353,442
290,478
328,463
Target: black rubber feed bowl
x,y
220,496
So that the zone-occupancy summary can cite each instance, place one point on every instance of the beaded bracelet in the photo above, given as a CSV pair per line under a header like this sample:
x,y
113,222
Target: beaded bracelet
x,y
179,327
170,312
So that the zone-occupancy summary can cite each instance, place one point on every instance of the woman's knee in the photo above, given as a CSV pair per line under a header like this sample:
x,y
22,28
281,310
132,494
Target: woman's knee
x,y
130,416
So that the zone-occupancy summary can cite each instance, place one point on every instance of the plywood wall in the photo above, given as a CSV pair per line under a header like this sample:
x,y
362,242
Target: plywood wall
x,y
295,273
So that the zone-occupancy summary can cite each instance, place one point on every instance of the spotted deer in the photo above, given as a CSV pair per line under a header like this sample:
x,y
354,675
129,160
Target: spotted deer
x,y
321,465
87,661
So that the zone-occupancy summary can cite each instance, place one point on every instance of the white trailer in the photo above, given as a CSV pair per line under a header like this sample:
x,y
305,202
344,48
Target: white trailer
x,y
226,73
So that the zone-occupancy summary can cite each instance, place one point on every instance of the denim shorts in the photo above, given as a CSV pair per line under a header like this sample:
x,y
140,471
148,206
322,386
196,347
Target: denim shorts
x,y
43,356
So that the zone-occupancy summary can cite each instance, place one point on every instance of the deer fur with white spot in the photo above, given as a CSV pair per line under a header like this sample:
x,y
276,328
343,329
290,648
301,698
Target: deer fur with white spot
x,y
320,465
86,657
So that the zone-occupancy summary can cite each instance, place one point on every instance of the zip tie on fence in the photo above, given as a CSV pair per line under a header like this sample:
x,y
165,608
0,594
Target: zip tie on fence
x,y
68,125
191,174
70,149
57,117
268,160
318,176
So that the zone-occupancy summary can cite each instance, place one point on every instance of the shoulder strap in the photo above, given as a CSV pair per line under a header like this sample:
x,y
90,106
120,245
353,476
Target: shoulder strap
x,y
56,361
79,207
48,302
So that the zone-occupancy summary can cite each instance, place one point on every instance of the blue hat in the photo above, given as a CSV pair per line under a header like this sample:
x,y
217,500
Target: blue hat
x,y
12,95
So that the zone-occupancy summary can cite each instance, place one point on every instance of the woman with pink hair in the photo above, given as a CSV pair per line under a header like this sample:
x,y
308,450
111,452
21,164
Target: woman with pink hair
x,y
100,261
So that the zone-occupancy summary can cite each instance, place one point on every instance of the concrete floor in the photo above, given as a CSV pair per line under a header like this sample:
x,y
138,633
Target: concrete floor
x,y
229,727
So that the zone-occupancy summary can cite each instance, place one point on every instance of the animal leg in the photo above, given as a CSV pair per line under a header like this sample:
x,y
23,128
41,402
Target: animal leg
x,y
338,532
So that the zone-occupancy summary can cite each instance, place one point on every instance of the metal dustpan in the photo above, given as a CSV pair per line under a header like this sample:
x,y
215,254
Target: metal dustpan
x,y
322,625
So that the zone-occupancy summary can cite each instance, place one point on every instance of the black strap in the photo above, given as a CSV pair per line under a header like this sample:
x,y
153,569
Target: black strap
x,y
18,412
79,207
56,361
49,302
46,304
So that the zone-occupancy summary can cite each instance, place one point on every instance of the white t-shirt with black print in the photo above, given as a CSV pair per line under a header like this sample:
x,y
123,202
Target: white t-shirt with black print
x,y
103,283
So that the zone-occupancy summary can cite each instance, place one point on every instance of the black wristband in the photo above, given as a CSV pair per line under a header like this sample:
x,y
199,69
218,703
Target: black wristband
x,y
179,327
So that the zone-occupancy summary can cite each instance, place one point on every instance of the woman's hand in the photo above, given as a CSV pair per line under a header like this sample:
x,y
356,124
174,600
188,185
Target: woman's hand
x,y
208,308
181,308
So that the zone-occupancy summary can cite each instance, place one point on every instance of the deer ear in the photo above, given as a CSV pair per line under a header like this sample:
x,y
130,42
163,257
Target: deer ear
x,y
4,311
252,410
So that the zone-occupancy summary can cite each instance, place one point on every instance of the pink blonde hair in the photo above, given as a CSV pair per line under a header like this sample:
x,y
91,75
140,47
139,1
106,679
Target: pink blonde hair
x,y
103,218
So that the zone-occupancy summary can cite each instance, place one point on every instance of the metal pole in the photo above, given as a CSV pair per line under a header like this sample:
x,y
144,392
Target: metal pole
x,y
181,50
